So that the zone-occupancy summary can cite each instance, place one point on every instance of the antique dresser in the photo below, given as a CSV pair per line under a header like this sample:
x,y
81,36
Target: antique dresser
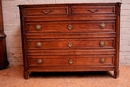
x,y
3,54
70,37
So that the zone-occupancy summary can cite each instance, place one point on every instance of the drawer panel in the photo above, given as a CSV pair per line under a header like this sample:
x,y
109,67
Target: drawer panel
x,y
47,11
70,60
69,27
93,10
70,43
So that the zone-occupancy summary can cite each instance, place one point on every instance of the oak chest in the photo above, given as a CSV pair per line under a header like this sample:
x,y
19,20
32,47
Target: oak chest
x,y
70,37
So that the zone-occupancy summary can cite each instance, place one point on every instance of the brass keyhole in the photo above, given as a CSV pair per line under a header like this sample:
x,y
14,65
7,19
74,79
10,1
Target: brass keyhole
x,y
70,27
70,44
70,61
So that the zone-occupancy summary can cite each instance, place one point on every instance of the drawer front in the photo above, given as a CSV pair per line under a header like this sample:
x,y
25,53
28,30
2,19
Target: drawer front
x,y
93,10
70,43
69,27
47,11
70,60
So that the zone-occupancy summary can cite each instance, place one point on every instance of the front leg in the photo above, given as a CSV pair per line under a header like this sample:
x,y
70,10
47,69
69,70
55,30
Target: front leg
x,y
116,74
26,74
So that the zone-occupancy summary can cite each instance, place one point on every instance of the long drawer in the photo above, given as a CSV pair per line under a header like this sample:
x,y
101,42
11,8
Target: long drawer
x,y
100,60
43,44
69,27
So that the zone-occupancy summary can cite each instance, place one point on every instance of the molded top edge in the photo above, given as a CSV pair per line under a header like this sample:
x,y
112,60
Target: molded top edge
x,y
26,5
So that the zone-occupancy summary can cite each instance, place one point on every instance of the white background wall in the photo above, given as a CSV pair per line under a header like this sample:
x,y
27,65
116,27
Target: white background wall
x,y
12,26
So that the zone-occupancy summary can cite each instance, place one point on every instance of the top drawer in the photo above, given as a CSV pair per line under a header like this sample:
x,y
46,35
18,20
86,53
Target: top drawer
x,y
47,11
93,10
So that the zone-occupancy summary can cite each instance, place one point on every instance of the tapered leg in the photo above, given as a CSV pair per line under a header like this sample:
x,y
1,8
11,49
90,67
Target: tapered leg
x,y
116,74
26,74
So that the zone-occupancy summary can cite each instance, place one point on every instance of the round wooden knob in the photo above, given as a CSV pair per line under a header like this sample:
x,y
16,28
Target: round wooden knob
x,y
102,60
39,61
38,44
38,27
102,25
102,43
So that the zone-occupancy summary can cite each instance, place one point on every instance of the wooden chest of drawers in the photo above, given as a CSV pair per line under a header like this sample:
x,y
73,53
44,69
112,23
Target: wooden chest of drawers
x,y
70,37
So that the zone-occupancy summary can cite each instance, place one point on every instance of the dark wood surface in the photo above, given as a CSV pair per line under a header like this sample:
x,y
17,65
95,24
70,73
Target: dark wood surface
x,y
3,54
70,37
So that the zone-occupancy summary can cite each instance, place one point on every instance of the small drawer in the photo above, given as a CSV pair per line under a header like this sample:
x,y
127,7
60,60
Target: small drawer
x,y
71,43
93,10
47,11
70,60
70,27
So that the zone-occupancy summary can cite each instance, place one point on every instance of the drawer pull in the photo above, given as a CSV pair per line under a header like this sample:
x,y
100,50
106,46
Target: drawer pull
x,y
38,44
102,25
70,27
92,10
102,43
102,60
38,27
70,61
70,44
39,61
46,12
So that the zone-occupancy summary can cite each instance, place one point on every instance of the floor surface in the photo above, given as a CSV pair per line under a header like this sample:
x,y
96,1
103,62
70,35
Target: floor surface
x,y
13,77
